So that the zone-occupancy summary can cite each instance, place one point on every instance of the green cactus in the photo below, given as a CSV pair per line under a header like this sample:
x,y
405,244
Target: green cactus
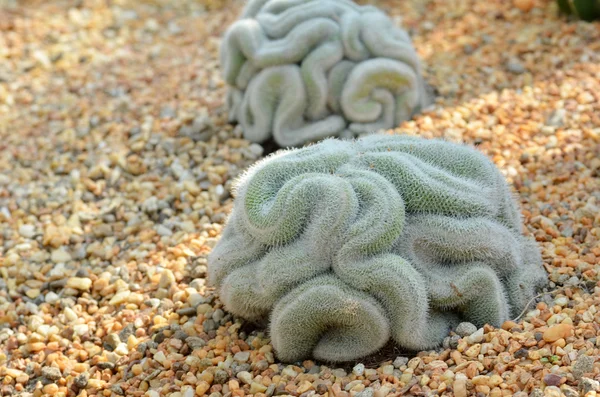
x,y
587,10
303,70
343,244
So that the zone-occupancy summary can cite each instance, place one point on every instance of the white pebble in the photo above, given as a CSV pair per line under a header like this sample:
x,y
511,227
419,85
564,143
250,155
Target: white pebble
x,y
359,369
81,329
27,231
51,298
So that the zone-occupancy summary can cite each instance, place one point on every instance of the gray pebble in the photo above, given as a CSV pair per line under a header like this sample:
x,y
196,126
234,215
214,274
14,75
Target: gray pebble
x,y
400,362
220,377
368,392
465,329
209,325
195,342
81,381
536,393
51,373
587,385
516,67
358,370
583,365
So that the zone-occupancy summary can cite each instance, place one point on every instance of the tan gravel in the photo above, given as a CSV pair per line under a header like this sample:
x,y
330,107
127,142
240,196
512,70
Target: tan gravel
x,y
115,172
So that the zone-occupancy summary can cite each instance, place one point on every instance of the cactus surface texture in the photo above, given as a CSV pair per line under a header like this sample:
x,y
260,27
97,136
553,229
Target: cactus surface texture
x,y
303,70
346,243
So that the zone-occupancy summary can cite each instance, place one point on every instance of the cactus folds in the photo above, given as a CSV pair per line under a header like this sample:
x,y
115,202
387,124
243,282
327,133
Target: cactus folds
x,y
345,244
304,70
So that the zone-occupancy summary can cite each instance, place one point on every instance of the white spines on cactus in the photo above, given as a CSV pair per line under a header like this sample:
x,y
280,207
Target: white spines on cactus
x,y
344,244
303,70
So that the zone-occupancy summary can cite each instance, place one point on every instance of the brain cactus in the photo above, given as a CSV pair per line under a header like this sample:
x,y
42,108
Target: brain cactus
x,y
302,70
344,244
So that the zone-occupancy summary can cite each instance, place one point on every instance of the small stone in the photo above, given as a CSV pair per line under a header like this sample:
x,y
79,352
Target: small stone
x,y
256,387
557,118
587,385
60,256
476,337
242,357
536,393
81,329
387,369
552,391
50,389
521,353
583,365
552,379
465,329
112,341
167,279
367,392
188,391
515,67
51,298
473,351
163,231
137,369
106,365
122,349
195,299
556,332
195,342
79,283
167,112
81,381
119,298
524,5
569,391
51,373
289,371
221,377
160,357
245,377
201,388
460,387
358,370
400,362
27,231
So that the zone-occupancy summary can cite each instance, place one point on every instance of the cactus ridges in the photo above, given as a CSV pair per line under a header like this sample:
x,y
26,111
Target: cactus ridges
x,y
414,235
300,71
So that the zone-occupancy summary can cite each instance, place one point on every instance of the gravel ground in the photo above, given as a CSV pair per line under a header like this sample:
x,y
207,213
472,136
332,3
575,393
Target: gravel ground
x,y
114,178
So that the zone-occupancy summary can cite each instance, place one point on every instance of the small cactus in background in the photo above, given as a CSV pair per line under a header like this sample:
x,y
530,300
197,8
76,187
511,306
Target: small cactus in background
x,y
300,71
588,10
344,244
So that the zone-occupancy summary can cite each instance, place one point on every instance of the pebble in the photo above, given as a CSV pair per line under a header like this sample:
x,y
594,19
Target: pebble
x,y
584,365
516,67
60,256
51,373
552,380
167,278
242,357
81,329
557,332
27,231
587,385
245,377
359,369
465,329
79,283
